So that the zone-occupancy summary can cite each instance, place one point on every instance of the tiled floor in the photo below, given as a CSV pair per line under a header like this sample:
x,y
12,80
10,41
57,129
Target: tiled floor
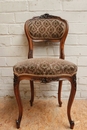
x,y
44,115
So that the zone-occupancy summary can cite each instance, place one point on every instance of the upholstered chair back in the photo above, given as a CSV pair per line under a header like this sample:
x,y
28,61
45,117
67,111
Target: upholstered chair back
x,y
46,27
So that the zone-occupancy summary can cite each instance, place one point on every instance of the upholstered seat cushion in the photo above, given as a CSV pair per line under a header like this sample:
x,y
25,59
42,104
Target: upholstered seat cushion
x,y
45,66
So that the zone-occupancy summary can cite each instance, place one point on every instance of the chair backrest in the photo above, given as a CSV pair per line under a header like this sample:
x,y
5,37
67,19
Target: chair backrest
x,y
46,28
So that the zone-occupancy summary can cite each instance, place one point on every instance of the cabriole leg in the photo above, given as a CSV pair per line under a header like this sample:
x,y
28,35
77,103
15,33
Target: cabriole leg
x,y
17,95
71,98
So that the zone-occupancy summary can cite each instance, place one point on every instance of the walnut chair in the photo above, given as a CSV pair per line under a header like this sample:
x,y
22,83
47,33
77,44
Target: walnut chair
x,y
45,28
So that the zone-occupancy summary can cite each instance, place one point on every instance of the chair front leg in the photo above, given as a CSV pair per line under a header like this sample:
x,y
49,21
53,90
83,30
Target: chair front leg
x,y
32,92
71,98
17,95
59,93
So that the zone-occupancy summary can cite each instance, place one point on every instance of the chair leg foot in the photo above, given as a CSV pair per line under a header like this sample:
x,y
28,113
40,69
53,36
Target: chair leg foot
x,y
18,124
31,103
60,104
71,124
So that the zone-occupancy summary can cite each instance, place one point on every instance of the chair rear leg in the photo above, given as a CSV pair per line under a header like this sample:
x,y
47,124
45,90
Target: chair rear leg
x,y
71,98
17,95
59,93
32,92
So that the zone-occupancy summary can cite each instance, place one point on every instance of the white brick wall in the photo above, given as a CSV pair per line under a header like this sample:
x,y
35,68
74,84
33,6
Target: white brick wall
x,y
14,47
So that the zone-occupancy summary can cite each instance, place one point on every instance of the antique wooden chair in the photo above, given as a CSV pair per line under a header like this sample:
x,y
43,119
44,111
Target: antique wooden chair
x,y
45,28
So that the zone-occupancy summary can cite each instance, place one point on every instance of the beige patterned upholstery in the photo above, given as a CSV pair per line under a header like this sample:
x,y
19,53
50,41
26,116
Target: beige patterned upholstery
x,y
45,66
46,28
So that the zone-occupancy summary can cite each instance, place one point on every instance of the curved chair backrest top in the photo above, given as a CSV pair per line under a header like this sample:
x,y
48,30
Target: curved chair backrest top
x,y
46,27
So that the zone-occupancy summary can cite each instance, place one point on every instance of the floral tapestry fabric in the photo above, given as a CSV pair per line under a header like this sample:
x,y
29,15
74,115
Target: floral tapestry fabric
x,y
45,66
46,28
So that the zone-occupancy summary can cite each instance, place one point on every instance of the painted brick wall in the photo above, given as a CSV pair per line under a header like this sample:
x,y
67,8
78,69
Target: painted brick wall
x,y
14,48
